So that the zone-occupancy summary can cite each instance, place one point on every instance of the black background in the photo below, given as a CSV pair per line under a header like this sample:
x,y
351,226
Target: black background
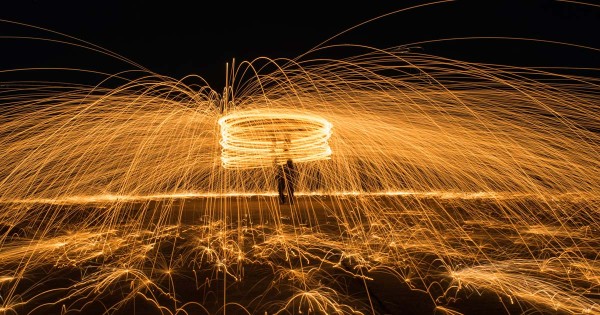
x,y
198,37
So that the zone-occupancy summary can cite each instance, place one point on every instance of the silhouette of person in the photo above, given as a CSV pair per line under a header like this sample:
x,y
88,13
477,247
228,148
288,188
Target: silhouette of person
x,y
290,179
280,178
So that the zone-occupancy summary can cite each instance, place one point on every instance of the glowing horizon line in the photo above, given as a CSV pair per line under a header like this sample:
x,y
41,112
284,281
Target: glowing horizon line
x,y
103,198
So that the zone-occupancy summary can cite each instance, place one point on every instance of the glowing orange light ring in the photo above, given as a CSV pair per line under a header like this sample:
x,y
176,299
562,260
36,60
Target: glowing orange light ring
x,y
262,138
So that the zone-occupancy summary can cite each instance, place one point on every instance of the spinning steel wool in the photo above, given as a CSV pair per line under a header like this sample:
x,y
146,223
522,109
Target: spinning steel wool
x,y
257,139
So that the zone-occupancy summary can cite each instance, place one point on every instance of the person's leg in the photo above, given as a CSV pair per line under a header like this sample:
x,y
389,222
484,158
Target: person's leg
x,y
281,188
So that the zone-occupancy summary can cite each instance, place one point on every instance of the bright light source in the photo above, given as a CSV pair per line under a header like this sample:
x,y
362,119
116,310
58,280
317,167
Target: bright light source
x,y
262,138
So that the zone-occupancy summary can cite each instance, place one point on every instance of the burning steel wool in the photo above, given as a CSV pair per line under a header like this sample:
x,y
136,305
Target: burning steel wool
x,y
254,139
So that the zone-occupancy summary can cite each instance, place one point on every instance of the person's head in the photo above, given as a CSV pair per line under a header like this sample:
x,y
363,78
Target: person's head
x,y
289,162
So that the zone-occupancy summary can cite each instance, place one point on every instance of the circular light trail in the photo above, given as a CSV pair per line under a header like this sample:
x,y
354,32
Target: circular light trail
x,y
263,138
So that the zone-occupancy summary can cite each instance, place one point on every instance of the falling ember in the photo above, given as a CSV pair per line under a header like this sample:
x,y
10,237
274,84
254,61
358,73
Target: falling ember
x,y
260,138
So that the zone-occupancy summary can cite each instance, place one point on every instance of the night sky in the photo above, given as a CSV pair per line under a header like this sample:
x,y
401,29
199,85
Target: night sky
x,y
177,38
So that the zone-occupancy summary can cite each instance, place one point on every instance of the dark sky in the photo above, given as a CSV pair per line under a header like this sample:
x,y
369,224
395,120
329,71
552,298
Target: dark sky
x,y
178,38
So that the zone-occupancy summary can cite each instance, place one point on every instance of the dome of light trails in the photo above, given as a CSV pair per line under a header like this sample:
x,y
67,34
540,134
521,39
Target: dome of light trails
x,y
380,181
262,138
